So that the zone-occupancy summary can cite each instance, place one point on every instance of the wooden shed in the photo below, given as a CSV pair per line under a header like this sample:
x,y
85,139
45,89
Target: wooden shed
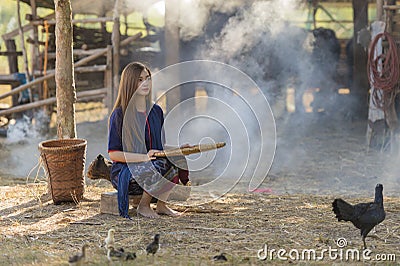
x,y
97,64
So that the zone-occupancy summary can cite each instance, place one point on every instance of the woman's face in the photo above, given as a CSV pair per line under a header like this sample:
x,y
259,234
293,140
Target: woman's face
x,y
144,84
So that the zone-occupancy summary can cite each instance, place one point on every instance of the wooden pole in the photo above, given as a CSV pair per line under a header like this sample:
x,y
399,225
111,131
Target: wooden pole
x,y
115,38
360,78
77,64
108,80
379,10
35,48
12,64
171,36
64,75
21,34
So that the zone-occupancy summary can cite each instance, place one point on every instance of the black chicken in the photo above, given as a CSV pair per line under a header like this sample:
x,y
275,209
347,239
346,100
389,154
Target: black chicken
x,y
154,246
364,216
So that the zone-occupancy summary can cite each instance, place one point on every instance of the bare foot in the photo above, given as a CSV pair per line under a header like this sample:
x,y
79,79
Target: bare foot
x,y
164,209
147,211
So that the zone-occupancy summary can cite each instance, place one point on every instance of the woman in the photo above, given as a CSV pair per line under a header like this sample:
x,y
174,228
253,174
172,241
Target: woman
x,y
135,134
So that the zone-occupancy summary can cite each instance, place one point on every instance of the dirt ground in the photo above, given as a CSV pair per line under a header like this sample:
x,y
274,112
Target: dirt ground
x,y
317,160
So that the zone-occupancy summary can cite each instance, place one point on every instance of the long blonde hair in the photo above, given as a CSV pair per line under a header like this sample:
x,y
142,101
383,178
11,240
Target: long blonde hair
x,y
128,85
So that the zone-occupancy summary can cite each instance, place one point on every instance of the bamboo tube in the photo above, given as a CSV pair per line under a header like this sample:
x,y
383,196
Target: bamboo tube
x,y
190,150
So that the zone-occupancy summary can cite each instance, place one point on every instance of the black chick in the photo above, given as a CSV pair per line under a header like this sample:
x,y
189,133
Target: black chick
x,y
120,253
154,246
220,257
130,255
78,259
364,216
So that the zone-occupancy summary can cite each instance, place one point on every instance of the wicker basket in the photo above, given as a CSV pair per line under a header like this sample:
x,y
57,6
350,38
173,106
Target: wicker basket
x,y
64,161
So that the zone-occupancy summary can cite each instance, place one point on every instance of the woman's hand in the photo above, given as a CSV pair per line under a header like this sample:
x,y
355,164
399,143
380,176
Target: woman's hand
x,y
150,154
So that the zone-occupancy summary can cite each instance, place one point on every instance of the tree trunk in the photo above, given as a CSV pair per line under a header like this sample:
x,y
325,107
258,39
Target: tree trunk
x,y
65,86
360,83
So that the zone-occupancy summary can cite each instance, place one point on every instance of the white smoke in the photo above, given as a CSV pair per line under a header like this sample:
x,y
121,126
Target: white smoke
x,y
194,15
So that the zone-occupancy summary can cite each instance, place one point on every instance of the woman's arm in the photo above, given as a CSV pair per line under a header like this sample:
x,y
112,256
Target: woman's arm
x,y
130,157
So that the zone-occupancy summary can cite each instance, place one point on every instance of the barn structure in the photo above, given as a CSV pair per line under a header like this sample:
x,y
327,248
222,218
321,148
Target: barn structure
x,y
101,51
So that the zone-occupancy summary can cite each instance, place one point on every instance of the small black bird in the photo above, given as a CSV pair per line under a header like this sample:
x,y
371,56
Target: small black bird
x,y
78,259
120,253
220,257
364,216
130,255
154,246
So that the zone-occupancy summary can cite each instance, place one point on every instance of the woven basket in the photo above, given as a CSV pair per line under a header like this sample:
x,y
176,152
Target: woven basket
x,y
64,161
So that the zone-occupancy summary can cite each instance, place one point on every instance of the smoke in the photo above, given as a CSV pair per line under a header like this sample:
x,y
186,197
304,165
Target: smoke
x,y
20,149
258,39
195,14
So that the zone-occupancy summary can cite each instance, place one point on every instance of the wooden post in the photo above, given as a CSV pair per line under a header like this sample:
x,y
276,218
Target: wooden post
x,y
171,37
360,78
375,115
379,10
12,64
115,39
108,80
65,87
35,48
21,34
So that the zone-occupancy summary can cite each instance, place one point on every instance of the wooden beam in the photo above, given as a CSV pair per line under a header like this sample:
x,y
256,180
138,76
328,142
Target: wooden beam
x,y
78,52
86,69
10,35
8,79
52,100
75,21
27,85
391,7
9,53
